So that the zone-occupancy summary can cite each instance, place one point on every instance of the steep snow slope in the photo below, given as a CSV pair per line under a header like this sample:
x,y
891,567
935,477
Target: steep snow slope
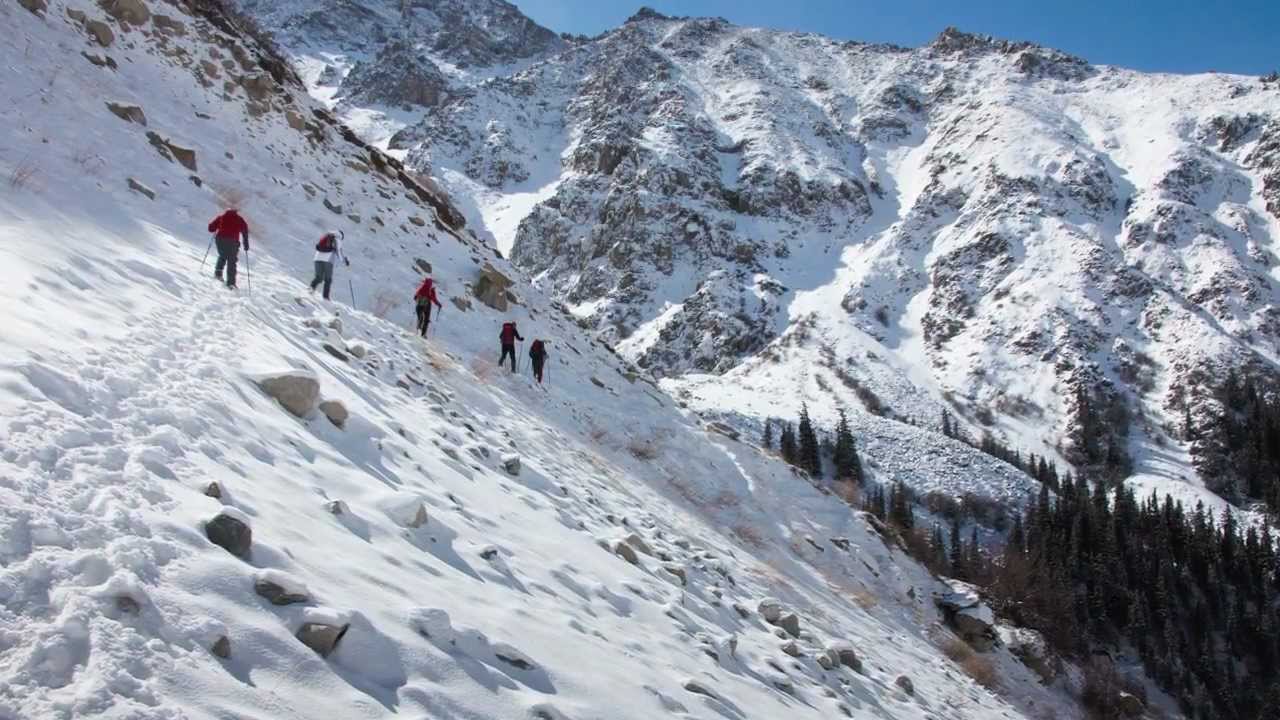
x,y
128,384
978,225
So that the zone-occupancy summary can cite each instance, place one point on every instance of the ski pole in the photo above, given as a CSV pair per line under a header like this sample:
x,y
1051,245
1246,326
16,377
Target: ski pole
x,y
206,253
352,288
248,274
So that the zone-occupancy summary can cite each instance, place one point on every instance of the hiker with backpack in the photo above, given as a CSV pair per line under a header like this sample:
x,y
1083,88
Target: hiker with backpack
x,y
327,249
509,336
538,355
227,229
424,298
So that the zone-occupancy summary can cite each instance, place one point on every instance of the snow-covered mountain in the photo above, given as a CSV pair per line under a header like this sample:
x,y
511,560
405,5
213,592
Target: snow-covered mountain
x,y
761,218
257,503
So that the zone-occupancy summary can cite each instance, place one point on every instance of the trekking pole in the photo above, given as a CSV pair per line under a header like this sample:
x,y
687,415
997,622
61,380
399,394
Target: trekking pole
x,y
248,275
352,288
206,253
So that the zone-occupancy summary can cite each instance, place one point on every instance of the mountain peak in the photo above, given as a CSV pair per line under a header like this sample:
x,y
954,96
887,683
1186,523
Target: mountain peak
x,y
648,13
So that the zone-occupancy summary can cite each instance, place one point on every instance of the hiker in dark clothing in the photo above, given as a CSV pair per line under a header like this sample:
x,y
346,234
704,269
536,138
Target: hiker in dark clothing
x,y
424,298
509,336
538,354
227,230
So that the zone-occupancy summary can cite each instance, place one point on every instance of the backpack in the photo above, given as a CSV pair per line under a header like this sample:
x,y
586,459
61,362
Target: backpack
x,y
536,348
424,298
325,244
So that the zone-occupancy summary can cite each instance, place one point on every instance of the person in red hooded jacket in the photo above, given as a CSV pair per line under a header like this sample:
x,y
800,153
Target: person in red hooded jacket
x,y
228,229
425,297
508,337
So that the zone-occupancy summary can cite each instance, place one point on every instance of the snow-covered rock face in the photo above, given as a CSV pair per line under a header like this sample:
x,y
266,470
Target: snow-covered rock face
x,y
985,225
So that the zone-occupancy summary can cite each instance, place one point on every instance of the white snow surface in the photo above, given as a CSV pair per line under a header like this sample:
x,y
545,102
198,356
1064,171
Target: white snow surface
x,y
126,387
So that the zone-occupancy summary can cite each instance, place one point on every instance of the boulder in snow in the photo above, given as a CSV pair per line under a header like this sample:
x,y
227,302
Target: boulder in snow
x,y
791,623
134,12
335,411
221,647
100,32
280,589
828,659
905,684
770,610
230,531
406,509
792,648
213,490
128,113
297,390
638,543
35,6
322,637
1130,705
141,189
847,656
337,507
965,613
511,463
491,288
624,550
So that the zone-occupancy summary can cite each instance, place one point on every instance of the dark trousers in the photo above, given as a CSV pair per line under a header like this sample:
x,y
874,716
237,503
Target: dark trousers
x,y
324,274
228,256
508,350
537,367
424,319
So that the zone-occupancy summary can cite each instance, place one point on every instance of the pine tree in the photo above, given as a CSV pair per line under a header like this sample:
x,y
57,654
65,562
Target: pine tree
x,y
787,443
767,440
848,465
957,552
946,423
808,457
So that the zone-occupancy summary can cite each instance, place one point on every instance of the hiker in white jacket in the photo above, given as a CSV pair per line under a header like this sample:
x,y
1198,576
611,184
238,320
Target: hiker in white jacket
x,y
327,250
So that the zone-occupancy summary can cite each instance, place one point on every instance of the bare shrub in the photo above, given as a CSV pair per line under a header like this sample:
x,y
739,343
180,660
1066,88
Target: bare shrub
x,y
23,174
865,600
748,535
975,665
482,369
384,301
90,162
642,449
848,491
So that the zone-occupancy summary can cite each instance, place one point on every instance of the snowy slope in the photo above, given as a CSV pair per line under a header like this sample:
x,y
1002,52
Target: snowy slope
x,y
977,225
128,384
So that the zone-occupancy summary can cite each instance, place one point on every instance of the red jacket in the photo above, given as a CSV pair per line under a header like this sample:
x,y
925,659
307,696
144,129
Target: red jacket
x,y
230,226
509,334
427,290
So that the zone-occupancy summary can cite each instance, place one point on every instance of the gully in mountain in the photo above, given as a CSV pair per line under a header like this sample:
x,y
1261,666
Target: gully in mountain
x,y
424,298
327,249
228,229
508,337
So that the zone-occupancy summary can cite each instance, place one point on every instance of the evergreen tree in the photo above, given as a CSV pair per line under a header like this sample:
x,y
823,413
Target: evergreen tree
x,y
787,444
767,440
848,466
957,552
808,458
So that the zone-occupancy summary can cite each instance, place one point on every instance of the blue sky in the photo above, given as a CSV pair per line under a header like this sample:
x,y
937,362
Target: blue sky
x,y
1241,36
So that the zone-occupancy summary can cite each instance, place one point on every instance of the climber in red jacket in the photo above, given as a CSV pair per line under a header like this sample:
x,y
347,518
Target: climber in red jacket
x,y
425,297
227,230
509,336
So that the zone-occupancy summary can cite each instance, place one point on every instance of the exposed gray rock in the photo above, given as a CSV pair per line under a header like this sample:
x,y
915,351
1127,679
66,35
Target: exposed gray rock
x,y
322,638
791,623
213,490
770,610
277,595
399,75
625,551
231,534
128,113
100,31
141,189
297,391
134,12
222,647
335,411
905,684
792,648
511,463
37,7
491,288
